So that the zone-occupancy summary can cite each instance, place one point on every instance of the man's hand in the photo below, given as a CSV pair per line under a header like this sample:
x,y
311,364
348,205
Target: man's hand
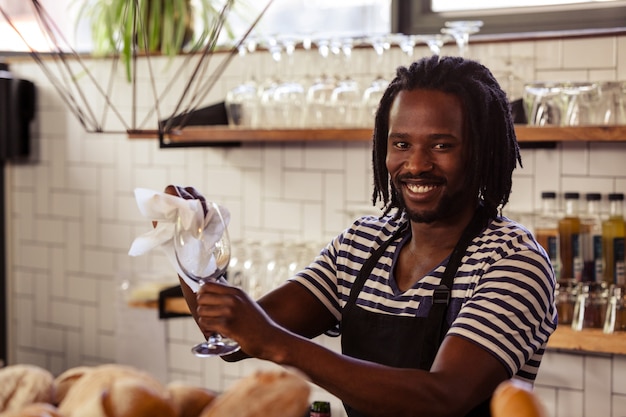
x,y
188,193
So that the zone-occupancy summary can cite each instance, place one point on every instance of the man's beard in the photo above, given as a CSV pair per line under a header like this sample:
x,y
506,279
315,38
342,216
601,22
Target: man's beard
x,y
448,207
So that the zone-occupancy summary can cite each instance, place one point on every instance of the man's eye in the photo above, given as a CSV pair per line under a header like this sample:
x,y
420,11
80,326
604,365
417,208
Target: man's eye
x,y
442,146
401,145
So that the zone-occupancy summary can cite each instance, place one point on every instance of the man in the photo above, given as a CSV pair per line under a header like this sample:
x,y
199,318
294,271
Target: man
x,y
444,151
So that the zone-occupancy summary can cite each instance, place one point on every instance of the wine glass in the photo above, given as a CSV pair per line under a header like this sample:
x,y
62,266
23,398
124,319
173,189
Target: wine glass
x,y
374,92
434,41
319,93
202,249
289,95
242,101
461,30
346,99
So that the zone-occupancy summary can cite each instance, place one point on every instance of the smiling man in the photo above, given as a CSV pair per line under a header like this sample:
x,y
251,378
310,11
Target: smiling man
x,y
440,298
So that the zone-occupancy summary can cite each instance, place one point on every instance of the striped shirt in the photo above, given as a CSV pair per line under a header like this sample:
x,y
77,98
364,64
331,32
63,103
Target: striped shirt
x,y
502,297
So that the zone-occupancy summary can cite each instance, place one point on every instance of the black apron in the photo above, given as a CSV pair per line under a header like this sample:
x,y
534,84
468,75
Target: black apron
x,y
404,342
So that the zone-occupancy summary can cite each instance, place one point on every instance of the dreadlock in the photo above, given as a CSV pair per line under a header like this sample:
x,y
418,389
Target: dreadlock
x,y
493,152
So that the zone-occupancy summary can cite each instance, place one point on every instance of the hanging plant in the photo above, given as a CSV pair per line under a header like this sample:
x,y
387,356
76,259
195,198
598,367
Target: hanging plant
x,y
166,27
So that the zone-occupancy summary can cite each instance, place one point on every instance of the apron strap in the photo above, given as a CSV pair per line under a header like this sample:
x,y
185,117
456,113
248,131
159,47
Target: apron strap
x,y
443,292
367,268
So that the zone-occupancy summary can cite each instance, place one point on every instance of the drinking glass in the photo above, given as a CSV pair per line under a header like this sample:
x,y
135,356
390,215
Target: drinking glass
x,y
289,95
615,320
319,112
580,102
461,31
242,101
434,42
542,104
374,92
202,249
346,98
591,306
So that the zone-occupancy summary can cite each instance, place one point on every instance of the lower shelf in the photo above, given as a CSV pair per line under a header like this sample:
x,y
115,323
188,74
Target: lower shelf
x,y
227,134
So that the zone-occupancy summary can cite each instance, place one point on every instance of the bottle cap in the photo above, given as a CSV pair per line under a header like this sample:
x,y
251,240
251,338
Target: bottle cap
x,y
548,194
593,196
571,195
616,196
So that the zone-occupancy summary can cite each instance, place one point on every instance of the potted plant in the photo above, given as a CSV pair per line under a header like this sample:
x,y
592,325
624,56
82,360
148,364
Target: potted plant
x,y
152,26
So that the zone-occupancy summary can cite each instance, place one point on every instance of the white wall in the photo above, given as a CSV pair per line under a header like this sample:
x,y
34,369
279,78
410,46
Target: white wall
x,y
72,217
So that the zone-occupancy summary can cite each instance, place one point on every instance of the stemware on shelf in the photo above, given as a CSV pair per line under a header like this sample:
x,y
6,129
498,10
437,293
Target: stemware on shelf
x,y
319,111
269,113
202,249
461,31
289,95
434,41
242,102
346,98
374,92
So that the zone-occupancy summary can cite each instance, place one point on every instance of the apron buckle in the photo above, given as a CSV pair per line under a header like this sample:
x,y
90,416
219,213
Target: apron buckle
x,y
441,295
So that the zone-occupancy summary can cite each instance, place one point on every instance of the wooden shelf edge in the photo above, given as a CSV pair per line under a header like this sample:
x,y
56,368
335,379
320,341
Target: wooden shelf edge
x,y
587,341
228,134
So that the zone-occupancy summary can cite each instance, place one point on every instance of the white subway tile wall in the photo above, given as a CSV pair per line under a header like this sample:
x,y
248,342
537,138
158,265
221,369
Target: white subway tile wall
x,y
72,216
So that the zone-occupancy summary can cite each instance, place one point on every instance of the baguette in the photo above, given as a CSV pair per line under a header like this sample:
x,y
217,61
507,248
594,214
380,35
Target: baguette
x,y
64,381
514,398
21,385
263,394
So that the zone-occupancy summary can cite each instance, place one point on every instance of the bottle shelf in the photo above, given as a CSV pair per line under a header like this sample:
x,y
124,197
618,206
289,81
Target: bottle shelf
x,y
588,341
219,134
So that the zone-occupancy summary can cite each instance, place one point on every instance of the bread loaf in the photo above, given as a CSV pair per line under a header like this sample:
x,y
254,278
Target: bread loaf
x,y
64,381
189,400
22,385
116,391
34,410
263,394
514,398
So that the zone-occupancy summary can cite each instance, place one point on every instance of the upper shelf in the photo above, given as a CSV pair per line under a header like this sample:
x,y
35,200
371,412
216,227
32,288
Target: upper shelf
x,y
218,134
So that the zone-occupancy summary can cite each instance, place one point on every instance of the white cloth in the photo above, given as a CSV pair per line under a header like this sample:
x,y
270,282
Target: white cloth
x,y
165,210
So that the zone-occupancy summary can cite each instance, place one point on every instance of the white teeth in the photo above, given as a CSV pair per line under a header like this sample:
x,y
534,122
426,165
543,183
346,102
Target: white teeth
x,y
420,188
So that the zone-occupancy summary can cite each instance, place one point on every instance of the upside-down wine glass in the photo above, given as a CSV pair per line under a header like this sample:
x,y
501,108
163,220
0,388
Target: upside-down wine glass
x,y
374,92
346,99
461,30
434,41
202,248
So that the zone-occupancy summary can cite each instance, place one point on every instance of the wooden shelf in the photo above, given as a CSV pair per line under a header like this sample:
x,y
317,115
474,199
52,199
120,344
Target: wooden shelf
x,y
588,341
218,134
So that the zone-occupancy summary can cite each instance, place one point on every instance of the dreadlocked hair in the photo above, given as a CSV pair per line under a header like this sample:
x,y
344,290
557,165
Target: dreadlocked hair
x,y
493,151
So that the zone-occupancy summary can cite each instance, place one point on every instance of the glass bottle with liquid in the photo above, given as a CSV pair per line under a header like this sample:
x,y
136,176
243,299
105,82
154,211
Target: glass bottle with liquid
x,y
547,229
320,409
569,239
591,239
613,241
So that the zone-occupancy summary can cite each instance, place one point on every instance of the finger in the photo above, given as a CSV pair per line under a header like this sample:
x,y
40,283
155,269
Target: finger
x,y
197,196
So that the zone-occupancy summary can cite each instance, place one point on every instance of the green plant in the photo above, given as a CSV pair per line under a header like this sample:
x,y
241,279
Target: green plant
x,y
152,26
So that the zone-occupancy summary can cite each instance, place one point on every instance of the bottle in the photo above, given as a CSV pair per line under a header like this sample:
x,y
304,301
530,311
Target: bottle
x,y
569,239
613,241
591,239
320,409
547,229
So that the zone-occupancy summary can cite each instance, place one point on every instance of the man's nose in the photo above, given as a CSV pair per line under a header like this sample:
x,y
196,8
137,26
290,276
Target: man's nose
x,y
419,160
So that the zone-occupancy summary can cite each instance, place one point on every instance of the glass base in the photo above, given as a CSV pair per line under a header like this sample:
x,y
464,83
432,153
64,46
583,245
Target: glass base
x,y
215,346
